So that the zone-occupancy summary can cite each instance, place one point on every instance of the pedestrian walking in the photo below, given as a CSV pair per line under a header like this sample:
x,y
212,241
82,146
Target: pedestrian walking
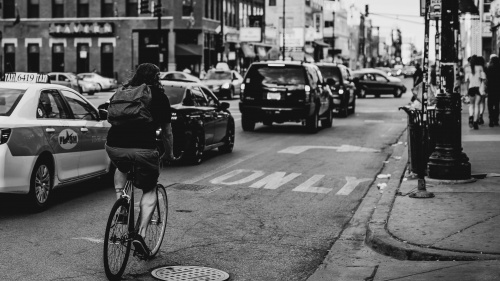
x,y
474,77
418,76
493,89
482,92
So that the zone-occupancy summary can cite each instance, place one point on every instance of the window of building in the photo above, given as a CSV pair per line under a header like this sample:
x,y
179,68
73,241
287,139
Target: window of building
x,y
107,60
187,8
132,8
58,8
9,9
33,58
82,9
9,57
272,2
107,8
33,8
212,8
207,7
58,58
308,2
82,58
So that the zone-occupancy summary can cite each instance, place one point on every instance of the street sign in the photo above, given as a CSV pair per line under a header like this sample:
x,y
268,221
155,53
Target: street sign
x,y
435,9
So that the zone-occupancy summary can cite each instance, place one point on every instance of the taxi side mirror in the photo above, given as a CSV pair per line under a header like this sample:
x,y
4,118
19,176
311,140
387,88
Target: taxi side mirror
x,y
103,114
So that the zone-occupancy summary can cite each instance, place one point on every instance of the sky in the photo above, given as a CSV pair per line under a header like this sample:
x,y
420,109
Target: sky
x,y
404,14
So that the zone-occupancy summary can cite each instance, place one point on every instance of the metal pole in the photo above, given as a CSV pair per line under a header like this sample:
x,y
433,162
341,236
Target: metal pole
x,y
283,30
448,162
160,57
422,192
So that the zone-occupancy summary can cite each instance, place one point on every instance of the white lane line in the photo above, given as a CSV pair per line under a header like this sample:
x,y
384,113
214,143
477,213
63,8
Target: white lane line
x,y
351,184
481,138
343,148
374,121
90,239
221,168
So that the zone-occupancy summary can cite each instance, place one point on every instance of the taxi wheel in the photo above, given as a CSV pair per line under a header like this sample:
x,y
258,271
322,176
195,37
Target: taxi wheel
x,y
398,93
362,93
40,185
229,140
230,95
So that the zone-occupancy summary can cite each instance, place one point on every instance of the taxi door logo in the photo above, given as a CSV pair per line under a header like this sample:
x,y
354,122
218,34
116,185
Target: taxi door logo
x,y
68,139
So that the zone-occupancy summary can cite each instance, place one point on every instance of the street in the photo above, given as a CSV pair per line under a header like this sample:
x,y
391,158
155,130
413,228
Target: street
x,y
270,210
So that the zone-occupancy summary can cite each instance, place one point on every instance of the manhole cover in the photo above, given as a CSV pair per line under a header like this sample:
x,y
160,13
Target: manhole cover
x,y
191,273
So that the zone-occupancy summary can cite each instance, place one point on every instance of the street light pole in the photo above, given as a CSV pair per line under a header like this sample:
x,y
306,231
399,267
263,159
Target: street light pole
x,y
283,30
448,162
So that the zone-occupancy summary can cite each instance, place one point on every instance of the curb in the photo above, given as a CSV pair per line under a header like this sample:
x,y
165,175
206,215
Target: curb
x,y
380,240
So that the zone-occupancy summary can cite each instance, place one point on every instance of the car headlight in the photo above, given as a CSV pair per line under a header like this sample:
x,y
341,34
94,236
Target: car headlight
x,y
226,86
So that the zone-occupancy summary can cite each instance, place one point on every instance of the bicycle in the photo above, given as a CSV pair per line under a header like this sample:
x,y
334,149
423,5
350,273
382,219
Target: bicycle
x,y
122,227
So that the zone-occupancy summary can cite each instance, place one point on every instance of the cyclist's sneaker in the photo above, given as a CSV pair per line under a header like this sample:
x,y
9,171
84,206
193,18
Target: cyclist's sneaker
x,y
140,246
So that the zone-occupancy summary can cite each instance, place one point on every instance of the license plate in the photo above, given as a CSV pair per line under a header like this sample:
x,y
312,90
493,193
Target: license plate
x,y
273,96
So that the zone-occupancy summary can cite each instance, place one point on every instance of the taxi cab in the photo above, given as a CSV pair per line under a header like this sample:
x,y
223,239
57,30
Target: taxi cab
x,y
50,136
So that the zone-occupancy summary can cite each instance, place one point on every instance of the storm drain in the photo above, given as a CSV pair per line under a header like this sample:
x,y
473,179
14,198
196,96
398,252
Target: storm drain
x,y
191,273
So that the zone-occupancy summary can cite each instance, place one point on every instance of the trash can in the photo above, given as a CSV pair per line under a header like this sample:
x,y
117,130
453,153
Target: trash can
x,y
420,144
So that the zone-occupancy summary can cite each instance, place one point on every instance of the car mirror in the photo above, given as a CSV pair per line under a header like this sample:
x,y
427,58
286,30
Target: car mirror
x,y
103,114
224,105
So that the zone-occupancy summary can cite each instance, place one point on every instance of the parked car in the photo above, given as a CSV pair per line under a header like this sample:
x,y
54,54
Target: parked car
x,y
72,81
408,71
340,81
50,136
395,72
285,91
387,70
178,75
223,83
376,82
104,83
199,121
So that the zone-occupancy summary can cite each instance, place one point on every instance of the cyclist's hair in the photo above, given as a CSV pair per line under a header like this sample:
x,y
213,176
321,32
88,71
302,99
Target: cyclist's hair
x,y
146,73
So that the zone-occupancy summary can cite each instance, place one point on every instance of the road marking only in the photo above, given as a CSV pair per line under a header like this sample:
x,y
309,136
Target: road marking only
x,y
343,148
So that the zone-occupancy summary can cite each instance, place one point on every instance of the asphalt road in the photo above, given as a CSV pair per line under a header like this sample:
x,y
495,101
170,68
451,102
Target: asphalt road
x,y
268,211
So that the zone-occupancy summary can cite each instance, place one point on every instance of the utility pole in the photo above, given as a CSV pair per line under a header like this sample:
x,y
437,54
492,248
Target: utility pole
x,y
158,13
448,162
283,29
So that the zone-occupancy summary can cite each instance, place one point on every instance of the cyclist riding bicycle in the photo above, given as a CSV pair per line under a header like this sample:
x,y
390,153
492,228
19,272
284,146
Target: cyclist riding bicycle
x,y
135,142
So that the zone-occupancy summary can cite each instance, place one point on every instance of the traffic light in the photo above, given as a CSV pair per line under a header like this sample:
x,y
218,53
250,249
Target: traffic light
x,y
366,11
145,7
157,12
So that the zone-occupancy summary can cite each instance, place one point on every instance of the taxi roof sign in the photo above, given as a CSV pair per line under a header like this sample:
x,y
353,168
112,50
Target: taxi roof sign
x,y
26,77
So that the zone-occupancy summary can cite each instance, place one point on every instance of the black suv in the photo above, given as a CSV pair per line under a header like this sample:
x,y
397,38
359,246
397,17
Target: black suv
x,y
342,85
283,91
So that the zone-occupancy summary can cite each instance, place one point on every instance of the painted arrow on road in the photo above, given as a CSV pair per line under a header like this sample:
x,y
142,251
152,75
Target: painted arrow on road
x,y
343,148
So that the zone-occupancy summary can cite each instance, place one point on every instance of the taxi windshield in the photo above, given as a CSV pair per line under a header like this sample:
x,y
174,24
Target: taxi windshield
x,y
9,98
174,94
218,75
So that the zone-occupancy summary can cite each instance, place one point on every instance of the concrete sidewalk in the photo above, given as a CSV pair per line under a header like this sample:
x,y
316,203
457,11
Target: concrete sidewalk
x,y
453,236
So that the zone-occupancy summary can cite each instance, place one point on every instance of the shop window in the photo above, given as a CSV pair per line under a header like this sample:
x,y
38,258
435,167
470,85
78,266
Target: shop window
x,y
9,9
82,58
58,8
187,8
10,58
33,58
107,8
107,60
58,57
132,8
272,2
207,8
82,9
33,8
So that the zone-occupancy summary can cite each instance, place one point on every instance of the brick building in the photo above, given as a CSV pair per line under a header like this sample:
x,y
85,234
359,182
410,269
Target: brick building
x,y
112,37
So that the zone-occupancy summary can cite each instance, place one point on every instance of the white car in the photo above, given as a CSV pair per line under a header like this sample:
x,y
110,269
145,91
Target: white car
x,y
50,136
178,75
103,82
70,80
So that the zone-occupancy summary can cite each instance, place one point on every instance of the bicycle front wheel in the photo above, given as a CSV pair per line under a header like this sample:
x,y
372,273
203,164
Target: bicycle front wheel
x,y
117,242
158,223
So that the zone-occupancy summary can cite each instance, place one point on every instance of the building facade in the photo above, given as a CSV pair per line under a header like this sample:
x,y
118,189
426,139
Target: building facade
x,y
113,37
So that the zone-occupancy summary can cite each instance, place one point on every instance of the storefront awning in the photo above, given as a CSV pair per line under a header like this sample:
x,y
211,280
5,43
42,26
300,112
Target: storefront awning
x,y
321,43
188,50
247,51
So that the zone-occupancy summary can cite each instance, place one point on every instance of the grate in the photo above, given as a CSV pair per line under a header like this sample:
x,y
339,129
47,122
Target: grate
x,y
191,273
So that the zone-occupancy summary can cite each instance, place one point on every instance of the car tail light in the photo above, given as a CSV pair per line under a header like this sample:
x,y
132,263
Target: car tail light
x,y
307,89
341,91
4,135
242,87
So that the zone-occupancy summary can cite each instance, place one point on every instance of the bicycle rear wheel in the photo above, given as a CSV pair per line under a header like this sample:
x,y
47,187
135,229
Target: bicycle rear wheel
x,y
117,242
158,223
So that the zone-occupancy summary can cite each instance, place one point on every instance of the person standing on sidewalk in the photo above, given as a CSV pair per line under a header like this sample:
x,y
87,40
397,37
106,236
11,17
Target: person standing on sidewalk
x,y
418,76
493,88
482,92
473,78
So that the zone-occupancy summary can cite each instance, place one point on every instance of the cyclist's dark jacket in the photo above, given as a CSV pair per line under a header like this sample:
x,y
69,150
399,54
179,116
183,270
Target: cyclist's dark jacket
x,y
143,136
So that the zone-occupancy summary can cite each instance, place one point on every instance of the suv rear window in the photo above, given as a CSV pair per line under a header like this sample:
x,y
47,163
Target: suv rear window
x,y
218,75
174,94
281,75
331,72
9,98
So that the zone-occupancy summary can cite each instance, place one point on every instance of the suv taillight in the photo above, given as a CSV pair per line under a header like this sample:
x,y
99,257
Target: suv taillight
x,y
307,89
242,88
4,135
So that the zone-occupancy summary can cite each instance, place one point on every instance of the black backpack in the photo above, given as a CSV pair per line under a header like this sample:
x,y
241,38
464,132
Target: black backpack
x,y
130,106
